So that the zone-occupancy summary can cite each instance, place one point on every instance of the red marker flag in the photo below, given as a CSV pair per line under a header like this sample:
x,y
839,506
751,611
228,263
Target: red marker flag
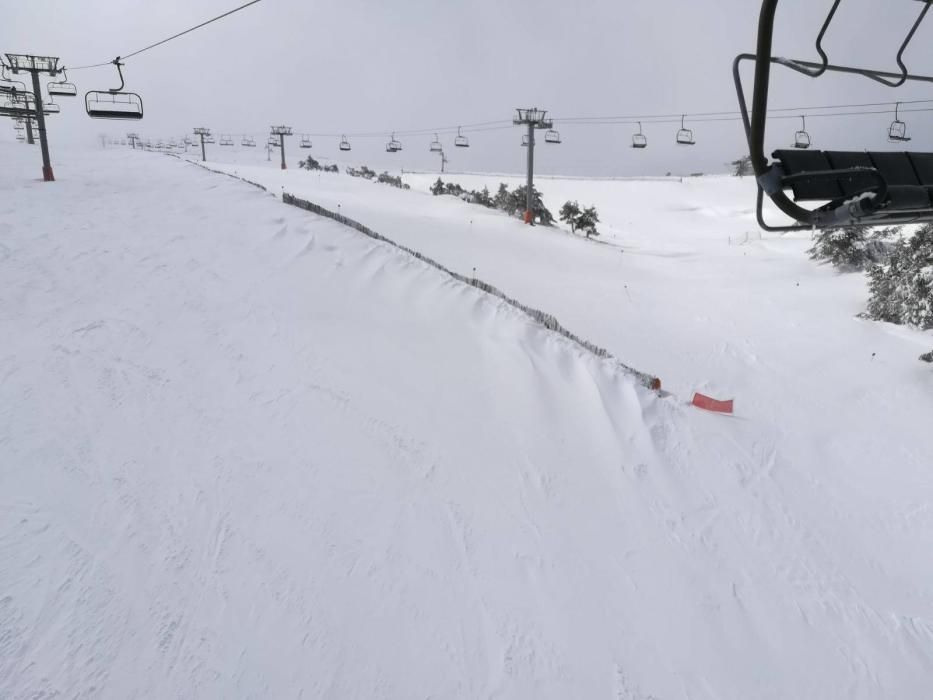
x,y
710,404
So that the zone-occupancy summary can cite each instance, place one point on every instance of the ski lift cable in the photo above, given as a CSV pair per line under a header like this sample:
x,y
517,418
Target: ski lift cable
x,y
813,112
693,116
174,36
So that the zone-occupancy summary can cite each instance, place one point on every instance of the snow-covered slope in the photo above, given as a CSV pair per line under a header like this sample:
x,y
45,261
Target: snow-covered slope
x,y
246,452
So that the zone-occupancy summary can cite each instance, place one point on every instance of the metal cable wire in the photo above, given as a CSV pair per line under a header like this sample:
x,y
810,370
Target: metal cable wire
x,y
174,36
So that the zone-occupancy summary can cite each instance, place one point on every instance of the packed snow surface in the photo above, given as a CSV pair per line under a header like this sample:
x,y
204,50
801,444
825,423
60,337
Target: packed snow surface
x,y
248,452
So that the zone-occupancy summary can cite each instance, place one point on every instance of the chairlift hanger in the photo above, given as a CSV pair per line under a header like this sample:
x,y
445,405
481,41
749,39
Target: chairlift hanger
x,y
461,141
897,132
851,187
685,135
639,140
802,137
114,103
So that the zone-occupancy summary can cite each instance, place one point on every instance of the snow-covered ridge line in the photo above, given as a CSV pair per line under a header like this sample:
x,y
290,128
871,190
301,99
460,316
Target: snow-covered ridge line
x,y
545,319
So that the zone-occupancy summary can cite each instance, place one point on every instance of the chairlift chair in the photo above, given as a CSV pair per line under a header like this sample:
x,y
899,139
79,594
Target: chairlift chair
x,y
639,140
846,187
20,138
897,132
802,138
461,141
304,141
684,135
114,103
524,140
62,88
226,140
552,136
344,144
436,146
51,107
393,146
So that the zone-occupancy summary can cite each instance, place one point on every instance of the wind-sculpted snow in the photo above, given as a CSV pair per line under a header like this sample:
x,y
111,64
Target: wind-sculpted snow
x,y
247,452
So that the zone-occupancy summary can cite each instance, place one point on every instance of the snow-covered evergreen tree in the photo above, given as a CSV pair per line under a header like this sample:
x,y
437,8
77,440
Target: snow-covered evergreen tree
x,y
569,213
853,247
438,187
901,289
587,221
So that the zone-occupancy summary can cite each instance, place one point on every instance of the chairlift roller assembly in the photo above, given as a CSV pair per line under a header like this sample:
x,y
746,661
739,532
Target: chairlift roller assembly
x,y
847,187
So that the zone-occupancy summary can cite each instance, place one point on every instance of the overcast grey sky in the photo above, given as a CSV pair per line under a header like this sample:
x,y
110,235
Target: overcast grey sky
x,y
326,66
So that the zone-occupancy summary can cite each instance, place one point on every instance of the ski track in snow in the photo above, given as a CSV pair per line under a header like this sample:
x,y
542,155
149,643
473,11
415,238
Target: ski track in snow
x,y
246,452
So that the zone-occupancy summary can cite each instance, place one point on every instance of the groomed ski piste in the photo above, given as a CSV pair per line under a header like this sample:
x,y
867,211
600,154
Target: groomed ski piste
x,y
246,451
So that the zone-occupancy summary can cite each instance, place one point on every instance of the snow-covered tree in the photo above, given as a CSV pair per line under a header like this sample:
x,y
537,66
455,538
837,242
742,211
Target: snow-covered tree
x,y
503,198
540,213
853,247
901,289
437,188
569,213
587,221
310,164
483,197
742,166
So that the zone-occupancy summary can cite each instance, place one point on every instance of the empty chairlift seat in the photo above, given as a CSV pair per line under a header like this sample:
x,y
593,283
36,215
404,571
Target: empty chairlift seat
x,y
901,183
113,105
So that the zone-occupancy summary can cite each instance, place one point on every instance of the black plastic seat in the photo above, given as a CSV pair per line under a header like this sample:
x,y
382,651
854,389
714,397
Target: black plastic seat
x,y
923,167
853,184
904,186
907,176
799,162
